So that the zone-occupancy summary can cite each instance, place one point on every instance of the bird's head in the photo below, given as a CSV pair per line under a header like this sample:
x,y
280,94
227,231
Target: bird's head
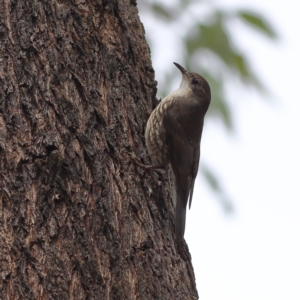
x,y
194,83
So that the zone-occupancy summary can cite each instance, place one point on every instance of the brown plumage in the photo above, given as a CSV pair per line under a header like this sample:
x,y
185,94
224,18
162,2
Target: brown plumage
x,y
173,136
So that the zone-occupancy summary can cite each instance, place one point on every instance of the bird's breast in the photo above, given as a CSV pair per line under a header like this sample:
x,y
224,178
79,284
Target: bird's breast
x,y
155,135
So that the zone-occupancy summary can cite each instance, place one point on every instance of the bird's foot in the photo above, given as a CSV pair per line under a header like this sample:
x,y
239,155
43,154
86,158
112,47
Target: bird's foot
x,y
147,168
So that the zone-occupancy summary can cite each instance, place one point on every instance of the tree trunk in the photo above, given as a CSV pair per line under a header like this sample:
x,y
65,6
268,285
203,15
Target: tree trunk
x,y
78,218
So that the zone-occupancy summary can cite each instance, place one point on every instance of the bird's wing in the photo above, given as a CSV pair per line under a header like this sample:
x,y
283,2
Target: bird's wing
x,y
195,171
173,127
187,155
181,158
184,158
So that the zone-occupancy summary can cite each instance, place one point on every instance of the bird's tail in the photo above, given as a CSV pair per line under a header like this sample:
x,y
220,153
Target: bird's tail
x,y
179,192
180,214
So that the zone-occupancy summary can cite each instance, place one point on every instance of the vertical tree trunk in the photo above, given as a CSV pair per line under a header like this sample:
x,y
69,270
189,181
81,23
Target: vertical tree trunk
x,y
78,219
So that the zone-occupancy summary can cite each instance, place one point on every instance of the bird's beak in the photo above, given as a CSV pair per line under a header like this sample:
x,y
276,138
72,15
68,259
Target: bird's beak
x,y
185,76
182,69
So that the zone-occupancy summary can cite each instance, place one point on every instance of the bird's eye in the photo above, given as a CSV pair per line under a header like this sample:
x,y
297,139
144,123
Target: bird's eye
x,y
195,81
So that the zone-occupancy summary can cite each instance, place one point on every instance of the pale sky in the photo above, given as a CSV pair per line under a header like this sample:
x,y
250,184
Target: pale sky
x,y
254,253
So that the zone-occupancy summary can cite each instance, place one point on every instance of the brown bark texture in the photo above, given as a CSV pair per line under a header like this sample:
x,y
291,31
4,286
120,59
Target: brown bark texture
x,y
78,218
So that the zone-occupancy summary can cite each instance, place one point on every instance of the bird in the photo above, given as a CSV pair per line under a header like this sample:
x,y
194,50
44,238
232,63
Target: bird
x,y
173,135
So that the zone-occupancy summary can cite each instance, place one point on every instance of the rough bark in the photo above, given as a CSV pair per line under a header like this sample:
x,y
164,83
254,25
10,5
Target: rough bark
x,y
78,219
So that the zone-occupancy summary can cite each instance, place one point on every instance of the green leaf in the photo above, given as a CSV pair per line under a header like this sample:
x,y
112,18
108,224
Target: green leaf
x,y
161,11
241,65
215,38
213,181
215,184
219,106
258,22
